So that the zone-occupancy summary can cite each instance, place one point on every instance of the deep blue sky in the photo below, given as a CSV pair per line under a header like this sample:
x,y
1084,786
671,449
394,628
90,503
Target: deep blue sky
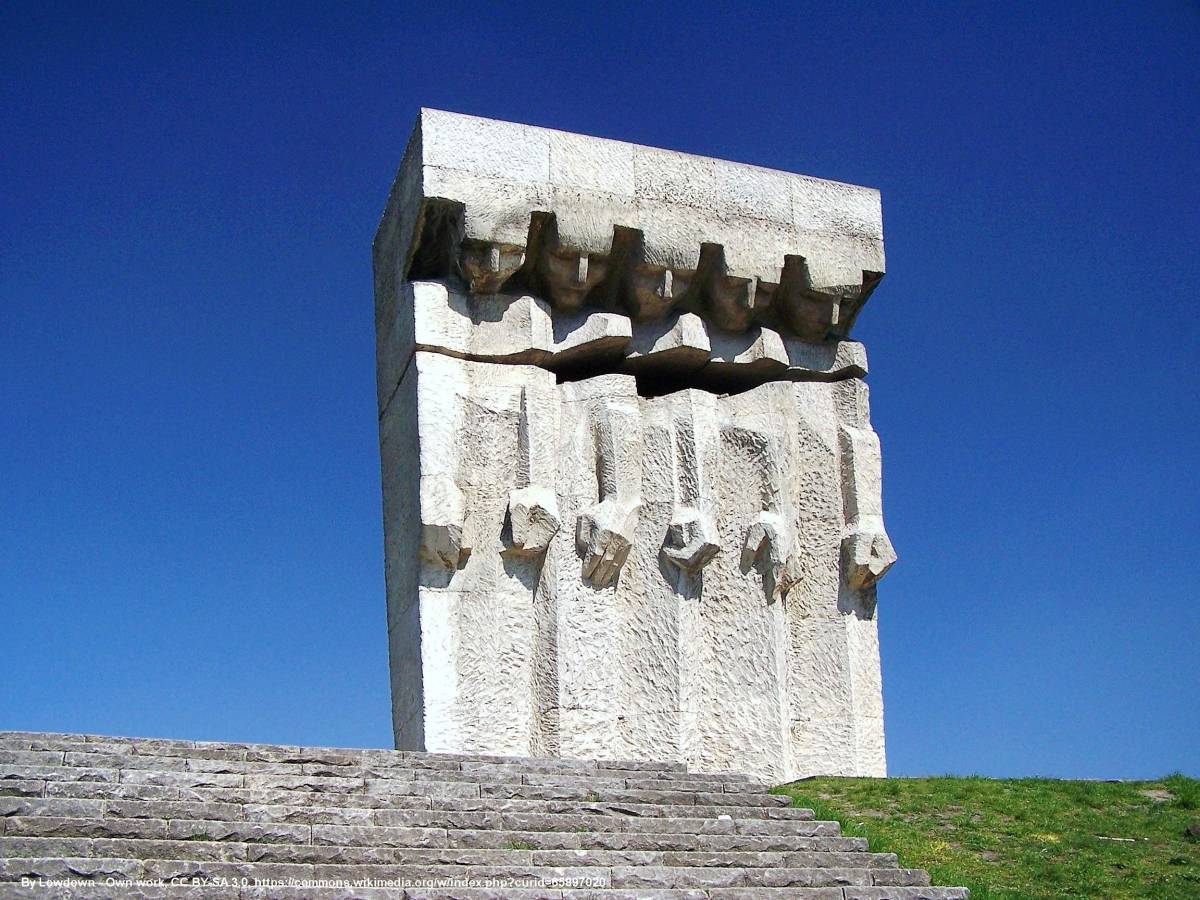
x,y
189,485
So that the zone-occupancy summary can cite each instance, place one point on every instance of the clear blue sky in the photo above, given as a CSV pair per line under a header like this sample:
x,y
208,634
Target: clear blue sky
x,y
191,542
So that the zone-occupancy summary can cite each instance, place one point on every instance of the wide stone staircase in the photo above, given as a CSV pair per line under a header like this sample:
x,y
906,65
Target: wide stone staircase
x,y
91,816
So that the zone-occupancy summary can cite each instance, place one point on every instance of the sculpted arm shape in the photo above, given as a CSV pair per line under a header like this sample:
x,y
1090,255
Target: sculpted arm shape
x,y
692,539
532,506
770,537
866,547
605,531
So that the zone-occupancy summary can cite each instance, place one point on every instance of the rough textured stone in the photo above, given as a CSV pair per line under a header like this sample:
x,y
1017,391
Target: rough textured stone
x,y
100,869
259,832
114,791
14,787
691,464
17,773
53,826
757,893
580,219
47,847
37,806
718,833
631,490
906,893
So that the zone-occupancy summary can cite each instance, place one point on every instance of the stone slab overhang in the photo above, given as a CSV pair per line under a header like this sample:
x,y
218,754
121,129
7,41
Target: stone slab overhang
x,y
584,222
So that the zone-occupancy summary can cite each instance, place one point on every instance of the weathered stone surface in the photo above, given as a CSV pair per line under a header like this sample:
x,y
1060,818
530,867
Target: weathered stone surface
x,y
117,890
115,791
31,758
503,893
324,815
15,787
134,848
505,206
777,826
55,826
526,330
896,877
868,549
19,773
389,788
378,836
670,877
121,761
312,783
578,792
53,806
631,489
436,818
906,893
757,893
715,479
48,847
14,869
223,872
169,809
181,779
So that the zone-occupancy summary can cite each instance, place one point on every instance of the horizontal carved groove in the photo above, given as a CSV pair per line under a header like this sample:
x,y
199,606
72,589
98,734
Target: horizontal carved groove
x,y
673,353
720,380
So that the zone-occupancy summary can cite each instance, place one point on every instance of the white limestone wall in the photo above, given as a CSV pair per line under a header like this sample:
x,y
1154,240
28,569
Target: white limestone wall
x,y
762,658
503,170
575,568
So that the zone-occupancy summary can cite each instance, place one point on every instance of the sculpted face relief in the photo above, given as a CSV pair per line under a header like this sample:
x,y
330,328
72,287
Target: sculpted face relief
x,y
631,491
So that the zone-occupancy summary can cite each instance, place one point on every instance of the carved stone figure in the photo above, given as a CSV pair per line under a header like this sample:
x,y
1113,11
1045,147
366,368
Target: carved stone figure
x,y
631,490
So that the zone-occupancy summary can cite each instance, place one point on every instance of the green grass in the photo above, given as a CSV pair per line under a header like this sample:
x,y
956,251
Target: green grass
x,y
1026,838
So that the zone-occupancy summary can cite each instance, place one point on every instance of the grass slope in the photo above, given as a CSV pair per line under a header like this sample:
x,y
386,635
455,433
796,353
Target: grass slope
x,y
1025,838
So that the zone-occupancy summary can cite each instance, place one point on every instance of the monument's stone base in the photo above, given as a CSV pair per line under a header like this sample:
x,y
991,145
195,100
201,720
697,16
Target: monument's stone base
x,y
84,816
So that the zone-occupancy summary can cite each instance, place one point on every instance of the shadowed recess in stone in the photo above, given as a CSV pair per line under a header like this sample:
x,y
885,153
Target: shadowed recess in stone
x,y
676,352
622,280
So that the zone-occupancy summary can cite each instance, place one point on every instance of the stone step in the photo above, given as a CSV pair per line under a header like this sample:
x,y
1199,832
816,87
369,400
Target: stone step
x,y
275,892
321,791
767,804
156,808
16,788
247,817
636,877
579,807
772,811
230,851
535,787
385,764
20,808
398,827
577,824
410,838
632,840
17,741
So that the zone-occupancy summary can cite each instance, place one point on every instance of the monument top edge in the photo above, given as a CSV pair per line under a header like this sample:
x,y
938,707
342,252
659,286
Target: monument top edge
x,y
448,116
587,221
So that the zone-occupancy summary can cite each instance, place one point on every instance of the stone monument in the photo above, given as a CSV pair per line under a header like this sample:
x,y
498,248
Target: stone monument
x,y
631,489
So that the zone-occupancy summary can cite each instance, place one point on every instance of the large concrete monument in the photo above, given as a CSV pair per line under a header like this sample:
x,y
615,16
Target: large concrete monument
x,y
631,490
